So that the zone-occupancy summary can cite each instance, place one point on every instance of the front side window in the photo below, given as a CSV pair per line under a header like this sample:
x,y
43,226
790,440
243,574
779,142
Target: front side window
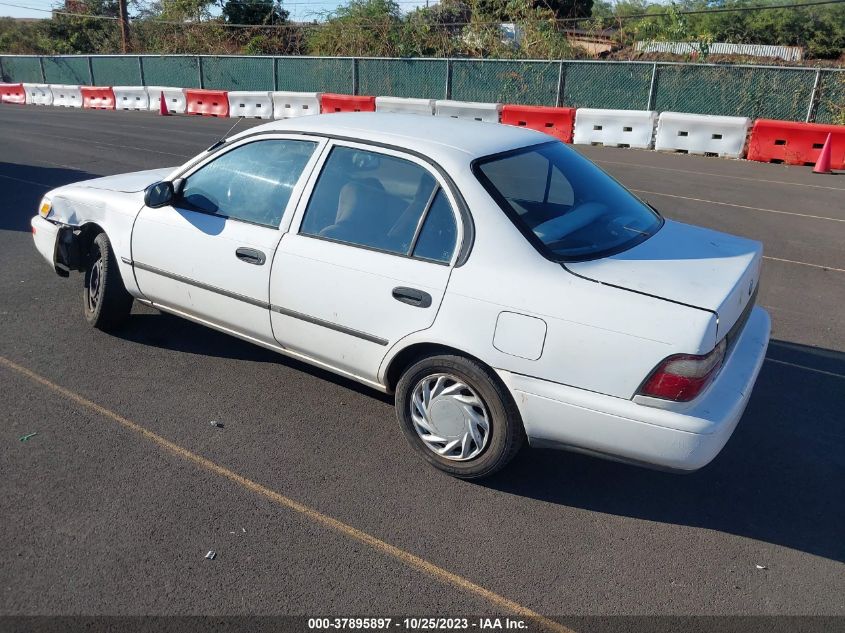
x,y
252,182
569,207
377,201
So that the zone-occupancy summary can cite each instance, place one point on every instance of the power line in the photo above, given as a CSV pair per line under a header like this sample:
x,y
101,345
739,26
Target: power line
x,y
386,22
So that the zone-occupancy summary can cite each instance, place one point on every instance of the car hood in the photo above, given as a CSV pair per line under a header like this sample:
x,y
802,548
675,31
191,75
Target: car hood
x,y
127,183
686,264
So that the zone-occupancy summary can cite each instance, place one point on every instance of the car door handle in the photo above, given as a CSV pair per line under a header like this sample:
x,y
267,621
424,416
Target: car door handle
x,y
250,256
412,296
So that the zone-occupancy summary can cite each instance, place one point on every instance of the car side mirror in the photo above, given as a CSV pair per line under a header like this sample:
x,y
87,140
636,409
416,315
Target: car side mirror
x,y
159,194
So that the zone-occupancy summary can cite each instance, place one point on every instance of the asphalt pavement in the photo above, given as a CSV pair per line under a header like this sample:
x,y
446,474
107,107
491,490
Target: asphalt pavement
x,y
98,517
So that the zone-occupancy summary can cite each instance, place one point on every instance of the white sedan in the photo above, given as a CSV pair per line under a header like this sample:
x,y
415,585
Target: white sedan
x,y
503,286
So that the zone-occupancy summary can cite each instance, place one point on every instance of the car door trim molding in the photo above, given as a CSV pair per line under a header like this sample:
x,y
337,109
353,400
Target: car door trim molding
x,y
263,304
204,286
331,326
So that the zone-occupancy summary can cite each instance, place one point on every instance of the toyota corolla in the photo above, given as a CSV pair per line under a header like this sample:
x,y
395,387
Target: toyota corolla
x,y
501,285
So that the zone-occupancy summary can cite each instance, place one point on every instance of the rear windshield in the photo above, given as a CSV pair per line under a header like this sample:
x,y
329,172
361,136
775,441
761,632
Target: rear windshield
x,y
569,208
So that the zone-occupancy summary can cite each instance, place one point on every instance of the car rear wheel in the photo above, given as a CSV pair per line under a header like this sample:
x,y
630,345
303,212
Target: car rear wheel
x,y
104,298
458,416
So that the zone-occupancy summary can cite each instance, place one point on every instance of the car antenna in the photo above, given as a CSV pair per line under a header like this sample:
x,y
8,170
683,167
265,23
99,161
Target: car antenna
x,y
223,138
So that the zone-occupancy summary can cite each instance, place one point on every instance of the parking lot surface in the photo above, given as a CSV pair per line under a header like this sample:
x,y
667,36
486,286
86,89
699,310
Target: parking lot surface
x,y
111,510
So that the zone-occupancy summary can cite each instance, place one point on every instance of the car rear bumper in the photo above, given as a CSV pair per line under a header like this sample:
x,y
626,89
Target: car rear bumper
x,y
674,438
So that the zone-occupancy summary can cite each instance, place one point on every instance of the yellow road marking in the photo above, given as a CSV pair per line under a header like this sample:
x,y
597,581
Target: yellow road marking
x,y
740,206
415,562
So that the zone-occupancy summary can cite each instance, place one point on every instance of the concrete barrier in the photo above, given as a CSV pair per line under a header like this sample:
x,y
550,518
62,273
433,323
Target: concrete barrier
x,y
405,106
66,96
287,105
254,105
614,128
469,110
131,98
38,94
173,97
702,134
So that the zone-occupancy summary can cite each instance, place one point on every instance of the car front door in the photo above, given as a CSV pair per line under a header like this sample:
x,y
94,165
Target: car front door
x,y
367,259
209,254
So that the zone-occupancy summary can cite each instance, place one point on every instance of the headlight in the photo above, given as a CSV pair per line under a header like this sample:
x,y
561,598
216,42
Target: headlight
x,y
45,207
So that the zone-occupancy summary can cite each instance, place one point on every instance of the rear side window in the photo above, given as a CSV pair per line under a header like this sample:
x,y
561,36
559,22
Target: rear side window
x,y
368,199
252,182
569,208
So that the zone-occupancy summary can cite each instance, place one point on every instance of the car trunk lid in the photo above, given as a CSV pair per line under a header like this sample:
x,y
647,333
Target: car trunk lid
x,y
686,264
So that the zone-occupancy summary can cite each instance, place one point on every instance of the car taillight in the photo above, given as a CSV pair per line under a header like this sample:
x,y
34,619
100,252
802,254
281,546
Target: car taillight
x,y
683,376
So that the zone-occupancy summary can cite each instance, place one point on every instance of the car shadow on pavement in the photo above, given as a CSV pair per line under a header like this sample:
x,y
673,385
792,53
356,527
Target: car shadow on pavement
x,y
24,185
150,327
780,479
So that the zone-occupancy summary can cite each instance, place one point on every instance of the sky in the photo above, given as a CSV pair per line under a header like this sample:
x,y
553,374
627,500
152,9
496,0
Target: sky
x,y
299,9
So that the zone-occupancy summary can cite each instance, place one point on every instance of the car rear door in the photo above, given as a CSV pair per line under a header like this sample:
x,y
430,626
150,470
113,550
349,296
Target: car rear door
x,y
367,259
209,254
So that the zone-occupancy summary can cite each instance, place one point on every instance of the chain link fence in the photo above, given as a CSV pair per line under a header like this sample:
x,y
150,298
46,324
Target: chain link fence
x,y
797,94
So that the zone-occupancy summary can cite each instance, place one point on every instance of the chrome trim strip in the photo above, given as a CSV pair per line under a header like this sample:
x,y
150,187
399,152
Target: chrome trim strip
x,y
199,284
126,260
328,324
263,304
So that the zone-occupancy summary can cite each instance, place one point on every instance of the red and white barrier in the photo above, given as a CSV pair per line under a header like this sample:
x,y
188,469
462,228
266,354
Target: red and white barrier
x,y
38,94
400,105
131,98
469,110
12,93
207,102
557,122
287,105
795,143
702,134
66,96
97,97
614,128
173,97
253,105
347,103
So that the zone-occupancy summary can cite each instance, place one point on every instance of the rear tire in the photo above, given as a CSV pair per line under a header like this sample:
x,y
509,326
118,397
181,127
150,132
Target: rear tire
x,y
458,416
105,302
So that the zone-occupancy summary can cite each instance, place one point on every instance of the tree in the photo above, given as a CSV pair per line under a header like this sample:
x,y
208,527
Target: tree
x,y
254,12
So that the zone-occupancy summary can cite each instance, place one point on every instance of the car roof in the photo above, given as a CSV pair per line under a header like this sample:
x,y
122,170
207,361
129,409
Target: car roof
x,y
437,137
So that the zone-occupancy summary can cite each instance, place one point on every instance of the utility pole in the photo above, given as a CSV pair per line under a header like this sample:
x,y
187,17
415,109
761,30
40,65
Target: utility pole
x,y
124,26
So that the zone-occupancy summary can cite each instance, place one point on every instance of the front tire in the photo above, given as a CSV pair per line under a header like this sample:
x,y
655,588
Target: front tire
x,y
105,302
458,416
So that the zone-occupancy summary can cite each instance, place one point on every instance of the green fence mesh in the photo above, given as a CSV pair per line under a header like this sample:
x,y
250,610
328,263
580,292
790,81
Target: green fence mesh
x,y
314,74
20,69
770,93
176,71
606,85
67,70
831,98
116,71
755,92
237,73
421,78
505,81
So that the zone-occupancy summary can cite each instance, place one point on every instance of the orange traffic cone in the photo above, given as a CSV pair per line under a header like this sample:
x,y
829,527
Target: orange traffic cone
x,y
162,106
823,163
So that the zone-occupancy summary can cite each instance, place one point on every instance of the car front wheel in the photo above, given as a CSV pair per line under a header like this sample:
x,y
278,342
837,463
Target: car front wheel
x,y
105,301
458,416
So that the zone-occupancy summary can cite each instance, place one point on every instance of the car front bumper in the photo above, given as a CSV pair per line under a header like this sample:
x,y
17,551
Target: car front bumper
x,y
45,234
674,437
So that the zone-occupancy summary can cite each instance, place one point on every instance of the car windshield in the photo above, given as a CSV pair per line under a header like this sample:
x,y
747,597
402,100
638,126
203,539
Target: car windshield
x,y
569,208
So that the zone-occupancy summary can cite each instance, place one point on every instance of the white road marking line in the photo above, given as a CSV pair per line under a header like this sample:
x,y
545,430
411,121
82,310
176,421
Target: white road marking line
x,y
813,369
29,182
740,206
707,173
792,261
